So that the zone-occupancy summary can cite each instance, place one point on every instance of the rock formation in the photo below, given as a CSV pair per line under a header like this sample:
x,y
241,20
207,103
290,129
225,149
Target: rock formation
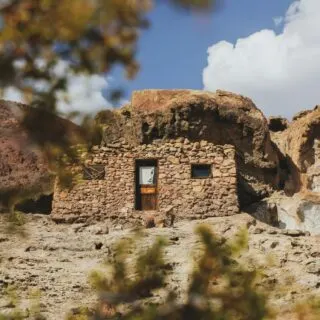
x,y
21,165
300,145
298,206
220,118
24,170
271,156
277,123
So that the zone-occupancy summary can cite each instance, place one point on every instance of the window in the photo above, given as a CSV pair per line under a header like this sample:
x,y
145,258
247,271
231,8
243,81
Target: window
x,y
147,175
94,172
200,171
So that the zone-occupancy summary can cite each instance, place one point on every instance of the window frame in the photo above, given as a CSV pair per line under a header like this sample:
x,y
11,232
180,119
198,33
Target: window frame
x,y
100,174
209,165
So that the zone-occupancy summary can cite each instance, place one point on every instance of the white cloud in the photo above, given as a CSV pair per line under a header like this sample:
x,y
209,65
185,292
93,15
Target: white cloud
x,y
60,69
281,73
83,95
13,94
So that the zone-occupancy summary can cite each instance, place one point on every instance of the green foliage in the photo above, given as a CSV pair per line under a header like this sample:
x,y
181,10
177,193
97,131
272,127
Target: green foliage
x,y
96,35
90,36
195,4
13,303
133,285
17,312
148,273
220,278
219,287
80,314
16,224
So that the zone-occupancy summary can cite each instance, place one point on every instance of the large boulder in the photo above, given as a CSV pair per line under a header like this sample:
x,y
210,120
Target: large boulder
x,y
298,205
24,169
300,146
221,118
297,212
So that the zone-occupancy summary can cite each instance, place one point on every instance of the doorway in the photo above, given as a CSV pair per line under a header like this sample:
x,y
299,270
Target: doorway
x,y
146,173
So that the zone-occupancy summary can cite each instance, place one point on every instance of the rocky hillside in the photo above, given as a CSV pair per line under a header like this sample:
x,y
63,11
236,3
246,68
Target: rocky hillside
x,y
297,205
299,143
24,169
57,259
278,183
277,160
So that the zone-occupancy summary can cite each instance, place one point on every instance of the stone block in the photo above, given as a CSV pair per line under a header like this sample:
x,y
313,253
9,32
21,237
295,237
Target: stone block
x,y
173,160
203,143
216,174
218,160
197,189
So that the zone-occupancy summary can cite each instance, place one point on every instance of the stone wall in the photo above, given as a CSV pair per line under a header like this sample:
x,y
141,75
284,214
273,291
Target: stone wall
x,y
178,193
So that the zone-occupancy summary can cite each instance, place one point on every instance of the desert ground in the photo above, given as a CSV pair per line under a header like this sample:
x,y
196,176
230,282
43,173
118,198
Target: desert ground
x,y
56,260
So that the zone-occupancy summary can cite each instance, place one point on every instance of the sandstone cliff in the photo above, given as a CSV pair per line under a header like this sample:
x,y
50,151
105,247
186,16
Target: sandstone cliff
x,y
221,118
298,205
300,145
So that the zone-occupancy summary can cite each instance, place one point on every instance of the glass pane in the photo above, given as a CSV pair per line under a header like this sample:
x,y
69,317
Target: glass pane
x,y
201,171
147,175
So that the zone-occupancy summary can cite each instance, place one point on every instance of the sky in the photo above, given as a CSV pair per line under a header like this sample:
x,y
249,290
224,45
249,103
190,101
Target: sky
x,y
268,50
173,53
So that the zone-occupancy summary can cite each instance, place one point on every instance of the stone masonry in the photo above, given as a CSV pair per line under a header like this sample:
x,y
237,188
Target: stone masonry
x,y
178,193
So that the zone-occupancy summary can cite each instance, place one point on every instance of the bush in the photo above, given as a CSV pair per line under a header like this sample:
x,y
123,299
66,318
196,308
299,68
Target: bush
x,y
219,288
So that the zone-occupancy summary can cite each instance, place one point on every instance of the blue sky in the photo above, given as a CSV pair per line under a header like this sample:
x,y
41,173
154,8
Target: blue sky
x,y
173,52
240,48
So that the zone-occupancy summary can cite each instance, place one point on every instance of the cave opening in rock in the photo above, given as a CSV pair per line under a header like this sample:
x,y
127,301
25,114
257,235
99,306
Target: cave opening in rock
x,y
41,205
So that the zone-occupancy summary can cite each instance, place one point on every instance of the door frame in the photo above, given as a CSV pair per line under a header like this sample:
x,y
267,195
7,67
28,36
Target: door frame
x,y
146,161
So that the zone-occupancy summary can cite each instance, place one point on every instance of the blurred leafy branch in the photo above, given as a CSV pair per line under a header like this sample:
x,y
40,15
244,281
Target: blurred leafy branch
x,y
134,284
44,41
219,287
92,36
17,312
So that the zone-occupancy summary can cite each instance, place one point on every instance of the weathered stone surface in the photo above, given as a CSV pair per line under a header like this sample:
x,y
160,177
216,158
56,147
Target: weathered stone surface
x,y
220,118
298,207
300,147
22,166
300,212
24,171
60,260
314,267
114,197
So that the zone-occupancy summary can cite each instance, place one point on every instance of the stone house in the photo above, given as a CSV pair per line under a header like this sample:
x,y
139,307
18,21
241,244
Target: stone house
x,y
130,183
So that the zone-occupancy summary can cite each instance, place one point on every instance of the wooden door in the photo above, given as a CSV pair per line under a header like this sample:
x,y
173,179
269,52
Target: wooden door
x,y
146,185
